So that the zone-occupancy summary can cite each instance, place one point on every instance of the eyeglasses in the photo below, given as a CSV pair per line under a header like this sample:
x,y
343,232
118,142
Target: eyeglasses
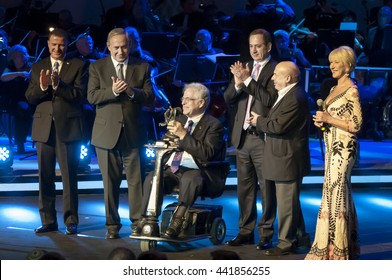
x,y
187,99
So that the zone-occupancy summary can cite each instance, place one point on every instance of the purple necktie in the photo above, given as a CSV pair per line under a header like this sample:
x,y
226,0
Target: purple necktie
x,y
175,165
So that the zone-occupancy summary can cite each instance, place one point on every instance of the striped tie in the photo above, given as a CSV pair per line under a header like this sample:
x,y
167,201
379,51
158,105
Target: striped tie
x,y
175,165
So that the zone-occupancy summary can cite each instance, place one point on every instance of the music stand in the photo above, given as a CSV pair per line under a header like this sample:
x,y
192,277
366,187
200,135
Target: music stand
x,y
161,45
227,59
194,68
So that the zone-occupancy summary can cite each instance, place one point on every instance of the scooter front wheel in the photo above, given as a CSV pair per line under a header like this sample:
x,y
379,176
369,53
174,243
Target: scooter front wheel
x,y
148,245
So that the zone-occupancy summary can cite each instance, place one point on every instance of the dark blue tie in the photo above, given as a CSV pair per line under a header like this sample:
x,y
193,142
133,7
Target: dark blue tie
x,y
175,165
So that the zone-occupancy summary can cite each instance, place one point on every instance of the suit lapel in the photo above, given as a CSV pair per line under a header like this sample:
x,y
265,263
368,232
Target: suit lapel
x,y
280,101
64,68
200,126
130,69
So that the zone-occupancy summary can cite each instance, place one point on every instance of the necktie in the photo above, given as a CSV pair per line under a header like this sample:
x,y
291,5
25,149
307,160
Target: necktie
x,y
56,66
120,73
255,75
175,165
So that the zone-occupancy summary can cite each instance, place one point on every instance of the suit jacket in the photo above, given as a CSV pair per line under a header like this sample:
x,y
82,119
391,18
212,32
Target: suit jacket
x,y
62,106
207,144
264,94
286,151
114,112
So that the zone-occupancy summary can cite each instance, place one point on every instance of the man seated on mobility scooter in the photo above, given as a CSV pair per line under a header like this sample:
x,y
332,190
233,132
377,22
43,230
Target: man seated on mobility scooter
x,y
200,139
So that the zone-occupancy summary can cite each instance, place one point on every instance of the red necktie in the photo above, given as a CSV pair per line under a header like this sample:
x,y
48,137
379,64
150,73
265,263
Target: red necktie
x,y
175,165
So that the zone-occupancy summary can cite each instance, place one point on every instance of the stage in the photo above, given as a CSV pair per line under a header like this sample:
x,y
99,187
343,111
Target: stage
x,y
372,187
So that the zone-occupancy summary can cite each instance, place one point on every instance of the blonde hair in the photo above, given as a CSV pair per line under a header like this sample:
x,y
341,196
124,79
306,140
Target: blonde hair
x,y
346,55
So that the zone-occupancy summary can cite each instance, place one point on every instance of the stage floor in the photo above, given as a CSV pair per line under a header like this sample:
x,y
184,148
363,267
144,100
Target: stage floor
x,y
19,216
372,185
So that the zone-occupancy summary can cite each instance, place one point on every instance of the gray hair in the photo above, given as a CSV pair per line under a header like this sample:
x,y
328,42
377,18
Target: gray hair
x,y
201,91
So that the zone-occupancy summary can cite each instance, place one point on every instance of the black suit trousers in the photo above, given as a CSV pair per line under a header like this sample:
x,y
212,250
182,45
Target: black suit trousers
x,y
189,181
112,163
68,158
249,160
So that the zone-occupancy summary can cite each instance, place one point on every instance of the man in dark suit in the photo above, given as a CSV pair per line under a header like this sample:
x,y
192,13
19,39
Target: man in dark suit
x,y
119,86
251,89
286,158
201,138
56,88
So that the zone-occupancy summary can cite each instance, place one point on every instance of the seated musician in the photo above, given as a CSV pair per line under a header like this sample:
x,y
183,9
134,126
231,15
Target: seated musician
x,y
203,46
201,139
85,49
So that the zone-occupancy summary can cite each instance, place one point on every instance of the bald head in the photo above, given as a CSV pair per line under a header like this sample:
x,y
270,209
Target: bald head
x,y
285,73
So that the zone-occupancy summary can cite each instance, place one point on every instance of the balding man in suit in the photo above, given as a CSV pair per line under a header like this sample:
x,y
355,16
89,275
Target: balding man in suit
x,y
287,158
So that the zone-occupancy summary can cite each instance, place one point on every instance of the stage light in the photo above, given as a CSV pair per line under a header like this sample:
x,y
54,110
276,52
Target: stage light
x,y
6,157
85,156
51,29
150,153
84,152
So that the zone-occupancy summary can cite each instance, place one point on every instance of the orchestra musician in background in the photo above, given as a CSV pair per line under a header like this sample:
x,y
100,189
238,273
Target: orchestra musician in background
x,y
15,80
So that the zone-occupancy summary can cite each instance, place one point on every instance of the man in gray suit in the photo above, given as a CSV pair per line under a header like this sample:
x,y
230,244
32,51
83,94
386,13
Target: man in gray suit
x,y
56,88
119,86
286,158
251,89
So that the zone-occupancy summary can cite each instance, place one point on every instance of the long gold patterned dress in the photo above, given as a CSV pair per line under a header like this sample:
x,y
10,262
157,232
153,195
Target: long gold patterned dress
x,y
336,236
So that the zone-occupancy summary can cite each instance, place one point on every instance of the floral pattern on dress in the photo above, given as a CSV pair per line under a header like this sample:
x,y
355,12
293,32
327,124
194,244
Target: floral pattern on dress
x,y
336,235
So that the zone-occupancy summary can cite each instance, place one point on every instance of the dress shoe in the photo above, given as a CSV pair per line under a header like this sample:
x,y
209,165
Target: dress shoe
x,y
112,233
277,252
46,228
302,246
174,228
71,229
241,239
137,227
264,244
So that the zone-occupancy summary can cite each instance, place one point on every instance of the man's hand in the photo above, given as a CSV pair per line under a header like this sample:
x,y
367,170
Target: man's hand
x,y
45,79
253,118
118,85
240,72
55,79
176,128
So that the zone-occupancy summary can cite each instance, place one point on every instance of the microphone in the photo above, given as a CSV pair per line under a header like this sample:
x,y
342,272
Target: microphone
x,y
320,104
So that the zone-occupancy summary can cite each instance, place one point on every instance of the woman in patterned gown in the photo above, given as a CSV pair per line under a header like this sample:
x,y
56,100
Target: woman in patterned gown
x,y
336,236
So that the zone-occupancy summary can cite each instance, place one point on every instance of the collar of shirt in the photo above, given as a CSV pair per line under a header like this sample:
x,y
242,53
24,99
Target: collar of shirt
x,y
116,63
283,92
262,63
52,61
